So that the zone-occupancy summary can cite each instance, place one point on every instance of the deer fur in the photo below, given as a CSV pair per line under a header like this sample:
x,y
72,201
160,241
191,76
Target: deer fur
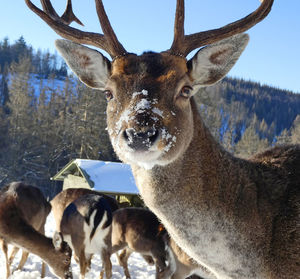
x,y
138,230
182,265
34,213
60,202
23,212
86,227
238,218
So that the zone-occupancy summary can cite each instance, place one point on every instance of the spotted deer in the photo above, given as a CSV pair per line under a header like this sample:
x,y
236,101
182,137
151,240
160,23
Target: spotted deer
x,y
239,218
61,201
83,219
35,213
19,214
86,226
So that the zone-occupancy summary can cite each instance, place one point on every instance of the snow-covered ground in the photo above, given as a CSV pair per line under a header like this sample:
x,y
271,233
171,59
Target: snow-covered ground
x,y
138,268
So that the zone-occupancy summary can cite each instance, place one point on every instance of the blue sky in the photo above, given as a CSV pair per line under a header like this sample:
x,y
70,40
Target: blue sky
x,y
272,56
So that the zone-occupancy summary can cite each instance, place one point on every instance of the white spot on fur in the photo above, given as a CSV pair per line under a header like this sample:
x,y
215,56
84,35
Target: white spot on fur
x,y
95,244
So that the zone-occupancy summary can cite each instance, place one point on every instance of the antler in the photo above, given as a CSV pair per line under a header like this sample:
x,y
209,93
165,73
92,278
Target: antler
x,y
60,25
184,44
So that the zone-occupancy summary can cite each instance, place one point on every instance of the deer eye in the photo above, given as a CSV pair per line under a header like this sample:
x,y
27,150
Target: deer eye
x,y
108,95
186,91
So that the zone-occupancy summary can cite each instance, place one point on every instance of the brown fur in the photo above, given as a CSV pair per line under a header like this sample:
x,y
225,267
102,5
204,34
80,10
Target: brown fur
x,y
65,197
138,230
249,199
35,214
184,264
75,223
22,211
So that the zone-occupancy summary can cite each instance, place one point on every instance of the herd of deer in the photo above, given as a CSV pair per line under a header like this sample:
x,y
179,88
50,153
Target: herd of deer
x,y
232,217
87,222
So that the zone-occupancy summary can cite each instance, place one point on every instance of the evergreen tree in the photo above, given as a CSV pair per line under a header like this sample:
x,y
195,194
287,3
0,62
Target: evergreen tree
x,y
4,94
283,138
295,133
250,143
22,110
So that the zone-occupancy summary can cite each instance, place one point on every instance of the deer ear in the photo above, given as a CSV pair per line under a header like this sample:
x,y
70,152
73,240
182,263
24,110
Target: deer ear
x,y
91,67
210,64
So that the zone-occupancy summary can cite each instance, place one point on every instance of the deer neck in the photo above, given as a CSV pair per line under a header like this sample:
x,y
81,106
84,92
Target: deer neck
x,y
198,170
38,244
196,199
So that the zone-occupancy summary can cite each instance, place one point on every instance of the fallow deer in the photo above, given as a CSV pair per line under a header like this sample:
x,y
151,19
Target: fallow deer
x,y
60,202
17,203
86,227
139,230
239,218
35,213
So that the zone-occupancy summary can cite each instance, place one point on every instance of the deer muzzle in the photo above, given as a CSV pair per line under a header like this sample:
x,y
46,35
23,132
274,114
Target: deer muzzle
x,y
140,140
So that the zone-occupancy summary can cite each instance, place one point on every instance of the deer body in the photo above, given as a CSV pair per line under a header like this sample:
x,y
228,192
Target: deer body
x,y
227,216
15,229
238,218
86,227
138,230
35,213
73,213
61,201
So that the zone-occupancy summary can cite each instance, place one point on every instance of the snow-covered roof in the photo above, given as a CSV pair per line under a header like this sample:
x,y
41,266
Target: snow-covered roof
x,y
108,177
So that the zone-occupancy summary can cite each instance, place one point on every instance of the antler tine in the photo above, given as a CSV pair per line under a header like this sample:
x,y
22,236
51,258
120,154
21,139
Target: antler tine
x,y
61,26
68,16
184,44
108,30
179,25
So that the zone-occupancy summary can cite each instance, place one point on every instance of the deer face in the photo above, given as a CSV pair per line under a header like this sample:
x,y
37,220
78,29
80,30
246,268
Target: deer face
x,y
148,111
149,114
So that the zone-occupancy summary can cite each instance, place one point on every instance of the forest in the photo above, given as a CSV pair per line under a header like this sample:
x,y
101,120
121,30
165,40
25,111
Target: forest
x,y
47,117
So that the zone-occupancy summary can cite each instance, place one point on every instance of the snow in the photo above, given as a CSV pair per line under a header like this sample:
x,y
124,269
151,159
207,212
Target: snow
x,y
109,177
138,268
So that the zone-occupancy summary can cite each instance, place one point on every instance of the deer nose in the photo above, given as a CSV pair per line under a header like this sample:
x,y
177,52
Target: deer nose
x,y
141,141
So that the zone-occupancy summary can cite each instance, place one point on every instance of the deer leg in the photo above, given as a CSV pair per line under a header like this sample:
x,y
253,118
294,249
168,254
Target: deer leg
x,y
89,262
106,264
82,264
23,260
13,254
43,270
4,249
123,259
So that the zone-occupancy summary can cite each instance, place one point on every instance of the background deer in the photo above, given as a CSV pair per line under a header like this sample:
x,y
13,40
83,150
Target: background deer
x,y
239,218
19,202
138,230
60,202
35,213
85,225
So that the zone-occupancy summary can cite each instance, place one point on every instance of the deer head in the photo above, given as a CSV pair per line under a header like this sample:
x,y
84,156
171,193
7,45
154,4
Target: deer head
x,y
149,112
